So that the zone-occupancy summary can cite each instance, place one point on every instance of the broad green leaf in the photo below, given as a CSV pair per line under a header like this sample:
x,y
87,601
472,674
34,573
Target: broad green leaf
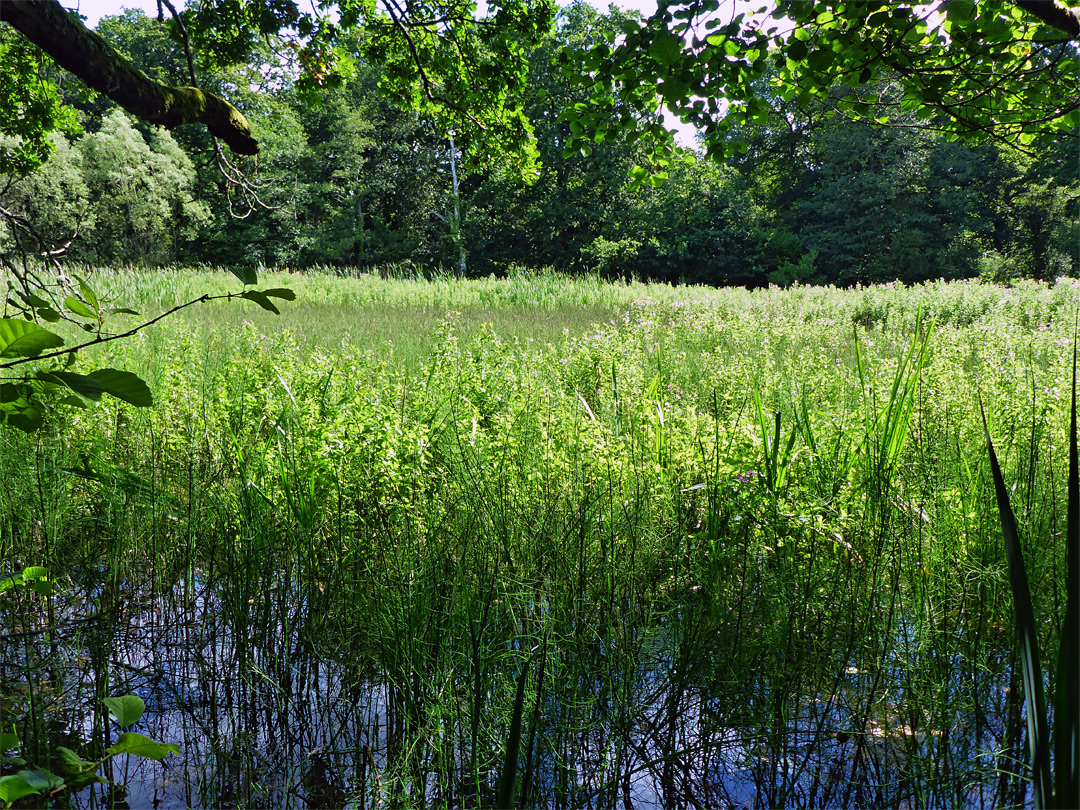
x,y
260,299
247,275
283,293
820,59
15,787
126,709
140,745
79,383
88,293
796,50
27,783
124,385
33,572
8,740
73,304
27,419
73,763
24,339
41,778
42,587
48,314
666,47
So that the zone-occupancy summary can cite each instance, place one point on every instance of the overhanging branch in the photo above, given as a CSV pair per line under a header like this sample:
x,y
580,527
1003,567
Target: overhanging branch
x,y
81,51
1053,14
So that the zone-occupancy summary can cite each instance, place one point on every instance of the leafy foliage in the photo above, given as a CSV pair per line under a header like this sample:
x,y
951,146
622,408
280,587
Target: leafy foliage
x,y
78,772
988,69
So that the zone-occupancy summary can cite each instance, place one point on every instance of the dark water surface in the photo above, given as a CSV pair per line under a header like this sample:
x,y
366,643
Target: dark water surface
x,y
267,718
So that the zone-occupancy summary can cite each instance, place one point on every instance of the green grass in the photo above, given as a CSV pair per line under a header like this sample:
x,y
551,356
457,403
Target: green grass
x,y
745,541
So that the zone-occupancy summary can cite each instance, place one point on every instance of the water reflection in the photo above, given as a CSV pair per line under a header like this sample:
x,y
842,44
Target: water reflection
x,y
268,718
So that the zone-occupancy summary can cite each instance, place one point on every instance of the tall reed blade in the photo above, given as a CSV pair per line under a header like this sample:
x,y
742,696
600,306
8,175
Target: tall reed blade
x,y
1034,699
505,793
1067,695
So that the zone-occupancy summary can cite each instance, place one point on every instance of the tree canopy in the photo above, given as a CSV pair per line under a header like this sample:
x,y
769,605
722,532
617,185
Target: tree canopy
x,y
434,53
1004,69
999,69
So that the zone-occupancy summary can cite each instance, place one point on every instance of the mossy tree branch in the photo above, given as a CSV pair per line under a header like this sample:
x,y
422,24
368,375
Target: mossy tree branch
x,y
82,52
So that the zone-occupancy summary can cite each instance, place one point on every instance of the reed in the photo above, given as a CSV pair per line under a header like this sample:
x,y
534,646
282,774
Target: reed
x,y
745,541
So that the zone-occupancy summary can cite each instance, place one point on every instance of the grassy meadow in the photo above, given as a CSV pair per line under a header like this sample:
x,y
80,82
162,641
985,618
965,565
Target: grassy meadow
x,y
740,548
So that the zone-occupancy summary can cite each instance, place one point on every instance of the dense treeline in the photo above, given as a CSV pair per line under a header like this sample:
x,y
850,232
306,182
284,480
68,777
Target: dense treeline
x,y
355,181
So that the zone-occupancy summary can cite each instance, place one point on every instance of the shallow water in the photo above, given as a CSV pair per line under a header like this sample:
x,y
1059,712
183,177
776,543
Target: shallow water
x,y
265,718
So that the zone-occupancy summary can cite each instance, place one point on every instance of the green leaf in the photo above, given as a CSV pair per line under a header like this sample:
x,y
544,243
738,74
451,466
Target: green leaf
x,y
27,418
13,788
139,745
42,588
283,293
34,572
8,740
27,783
247,275
88,294
73,304
20,338
73,763
820,59
79,383
666,47
126,709
261,299
124,385
48,314
1028,631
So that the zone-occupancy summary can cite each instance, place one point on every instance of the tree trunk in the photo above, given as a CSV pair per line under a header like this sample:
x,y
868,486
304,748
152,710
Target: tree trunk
x,y
81,51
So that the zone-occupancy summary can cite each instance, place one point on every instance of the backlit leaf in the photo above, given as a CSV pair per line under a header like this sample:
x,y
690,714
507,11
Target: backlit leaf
x,y
140,745
20,338
247,275
73,304
127,709
124,385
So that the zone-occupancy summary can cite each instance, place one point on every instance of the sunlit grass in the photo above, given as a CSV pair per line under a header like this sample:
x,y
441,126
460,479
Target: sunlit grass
x,y
415,486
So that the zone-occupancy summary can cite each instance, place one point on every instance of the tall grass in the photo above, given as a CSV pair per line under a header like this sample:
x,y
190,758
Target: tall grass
x,y
715,547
